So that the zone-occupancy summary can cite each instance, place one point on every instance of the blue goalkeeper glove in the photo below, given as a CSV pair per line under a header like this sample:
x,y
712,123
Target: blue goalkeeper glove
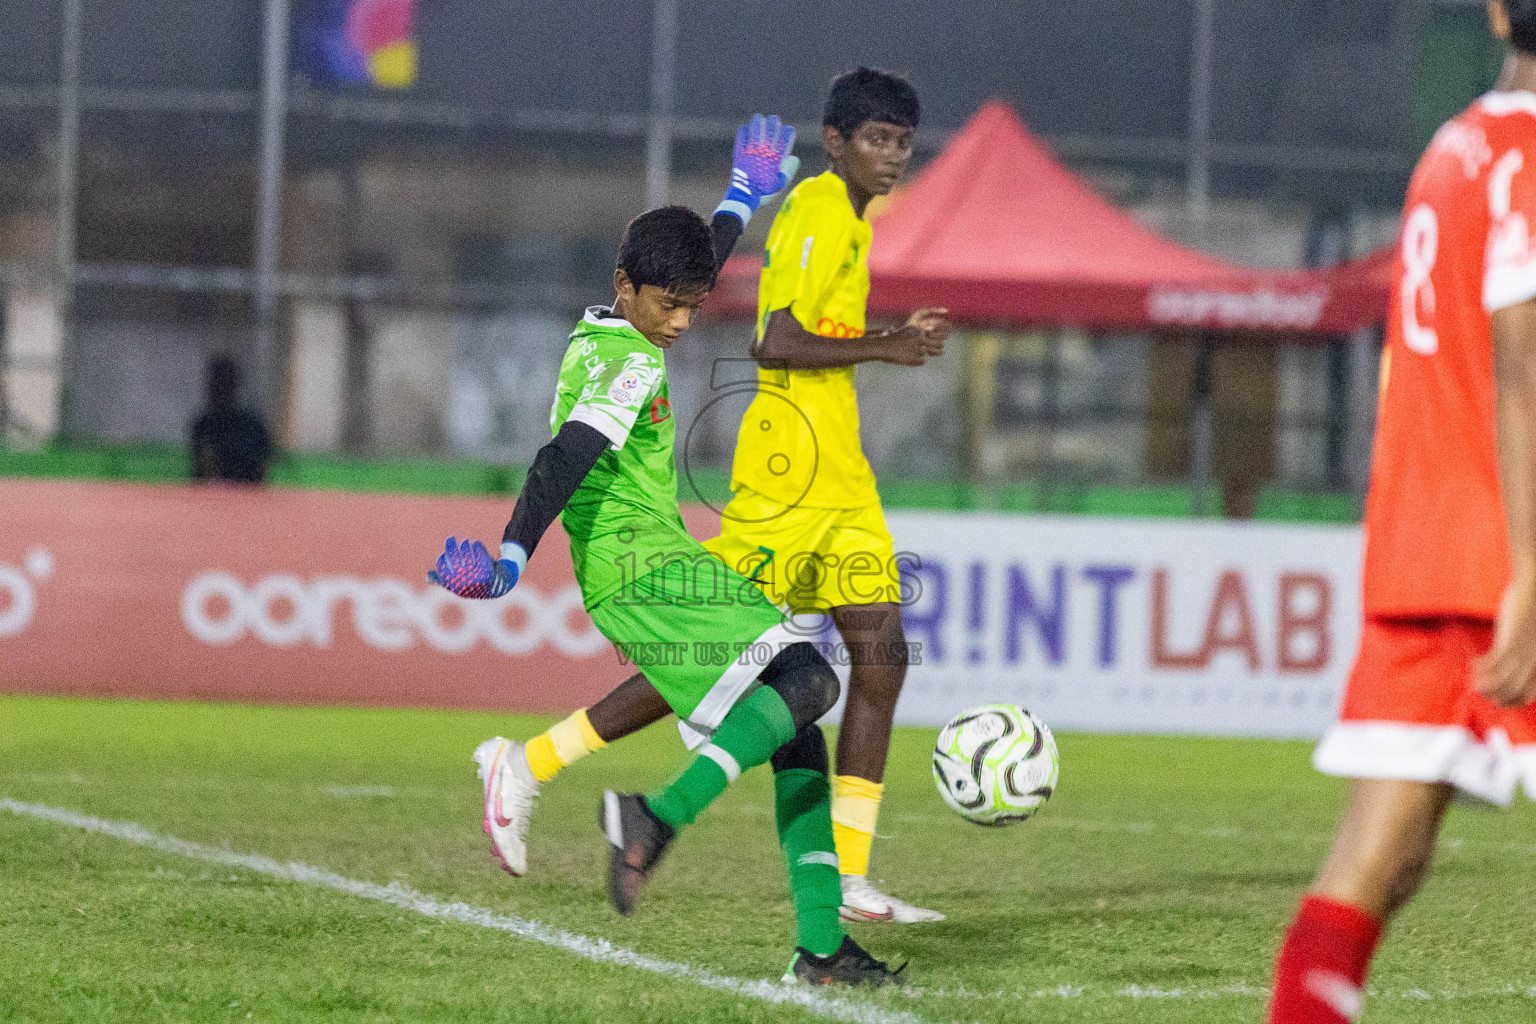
x,y
761,165
468,569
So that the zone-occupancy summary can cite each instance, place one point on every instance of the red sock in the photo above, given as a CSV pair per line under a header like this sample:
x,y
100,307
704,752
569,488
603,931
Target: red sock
x,y
1320,978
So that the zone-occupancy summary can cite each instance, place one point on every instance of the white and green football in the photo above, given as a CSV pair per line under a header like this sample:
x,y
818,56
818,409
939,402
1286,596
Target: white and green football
x,y
996,764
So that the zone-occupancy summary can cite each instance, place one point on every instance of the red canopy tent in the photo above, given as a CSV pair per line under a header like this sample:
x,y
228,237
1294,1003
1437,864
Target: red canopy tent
x,y
1003,235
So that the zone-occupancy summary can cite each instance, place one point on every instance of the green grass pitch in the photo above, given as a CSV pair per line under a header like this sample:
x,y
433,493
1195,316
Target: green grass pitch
x,y
1153,887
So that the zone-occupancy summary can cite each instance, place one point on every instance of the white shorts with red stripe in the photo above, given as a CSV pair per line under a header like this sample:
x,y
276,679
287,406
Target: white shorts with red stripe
x,y
1410,712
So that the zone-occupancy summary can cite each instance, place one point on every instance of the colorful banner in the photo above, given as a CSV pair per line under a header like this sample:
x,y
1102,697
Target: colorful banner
x,y
277,595
274,595
1108,625
356,42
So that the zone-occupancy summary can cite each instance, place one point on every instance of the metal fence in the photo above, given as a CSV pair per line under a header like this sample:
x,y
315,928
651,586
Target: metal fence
x,y
419,258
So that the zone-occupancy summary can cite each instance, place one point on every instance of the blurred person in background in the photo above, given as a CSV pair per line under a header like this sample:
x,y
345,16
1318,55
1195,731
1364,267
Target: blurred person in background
x,y
1440,698
228,441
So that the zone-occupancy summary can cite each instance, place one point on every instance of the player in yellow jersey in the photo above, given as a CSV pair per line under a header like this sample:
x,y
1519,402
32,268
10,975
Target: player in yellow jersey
x,y
805,520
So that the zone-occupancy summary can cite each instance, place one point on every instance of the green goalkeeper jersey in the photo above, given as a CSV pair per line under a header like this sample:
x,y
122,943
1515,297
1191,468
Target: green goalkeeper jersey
x,y
623,521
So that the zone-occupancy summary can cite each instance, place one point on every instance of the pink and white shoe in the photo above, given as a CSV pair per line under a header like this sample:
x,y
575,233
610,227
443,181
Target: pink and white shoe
x,y
510,793
863,902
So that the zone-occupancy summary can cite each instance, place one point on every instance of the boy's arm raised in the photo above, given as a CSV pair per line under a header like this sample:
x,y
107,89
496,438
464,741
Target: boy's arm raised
x,y
724,229
761,167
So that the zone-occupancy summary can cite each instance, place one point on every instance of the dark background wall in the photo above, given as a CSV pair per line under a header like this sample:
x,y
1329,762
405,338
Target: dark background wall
x,y
1308,71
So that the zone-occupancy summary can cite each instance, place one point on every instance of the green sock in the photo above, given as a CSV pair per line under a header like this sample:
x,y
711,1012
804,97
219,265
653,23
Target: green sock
x,y
802,805
757,726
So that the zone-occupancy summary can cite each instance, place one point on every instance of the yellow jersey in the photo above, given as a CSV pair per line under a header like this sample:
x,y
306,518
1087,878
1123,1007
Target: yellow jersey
x,y
799,440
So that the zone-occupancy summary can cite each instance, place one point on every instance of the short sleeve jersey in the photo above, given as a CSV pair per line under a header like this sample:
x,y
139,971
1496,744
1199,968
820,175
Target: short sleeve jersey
x,y
1436,540
623,521
799,440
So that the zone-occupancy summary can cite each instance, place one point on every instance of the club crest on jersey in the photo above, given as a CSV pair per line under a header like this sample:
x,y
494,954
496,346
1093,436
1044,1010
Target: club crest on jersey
x,y
660,409
625,390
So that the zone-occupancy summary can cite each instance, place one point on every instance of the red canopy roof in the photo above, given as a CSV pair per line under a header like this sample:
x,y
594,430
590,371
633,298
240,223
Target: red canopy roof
x,y
998,231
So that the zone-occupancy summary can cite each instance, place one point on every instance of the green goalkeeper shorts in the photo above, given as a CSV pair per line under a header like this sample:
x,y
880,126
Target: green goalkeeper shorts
x,y
700,632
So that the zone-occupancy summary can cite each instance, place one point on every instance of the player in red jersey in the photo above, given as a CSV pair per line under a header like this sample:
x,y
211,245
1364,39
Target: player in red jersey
x,y
1440,696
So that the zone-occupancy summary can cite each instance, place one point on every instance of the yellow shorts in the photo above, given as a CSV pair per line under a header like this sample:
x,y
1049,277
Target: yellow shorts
x,y
809,559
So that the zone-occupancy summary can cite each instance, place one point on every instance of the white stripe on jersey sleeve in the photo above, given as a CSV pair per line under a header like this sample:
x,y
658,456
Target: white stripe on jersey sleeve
x,y
612,421
614,394
1509,269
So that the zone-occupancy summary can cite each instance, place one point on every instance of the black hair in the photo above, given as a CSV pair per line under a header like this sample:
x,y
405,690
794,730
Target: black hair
x,y
870,94
669,247
1522,24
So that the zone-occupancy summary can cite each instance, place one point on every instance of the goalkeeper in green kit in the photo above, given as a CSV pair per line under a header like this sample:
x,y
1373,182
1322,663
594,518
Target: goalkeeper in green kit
x,y
658,595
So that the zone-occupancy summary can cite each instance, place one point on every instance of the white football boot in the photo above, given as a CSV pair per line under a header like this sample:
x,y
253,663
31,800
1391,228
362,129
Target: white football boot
x,y
510,792
863,902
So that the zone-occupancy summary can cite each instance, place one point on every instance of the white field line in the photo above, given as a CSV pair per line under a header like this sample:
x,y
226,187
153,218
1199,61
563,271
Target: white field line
x,y
603,951
596,950
337,790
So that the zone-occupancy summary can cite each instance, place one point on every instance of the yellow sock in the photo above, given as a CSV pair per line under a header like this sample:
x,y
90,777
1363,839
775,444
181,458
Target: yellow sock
x,y
562,745
855,808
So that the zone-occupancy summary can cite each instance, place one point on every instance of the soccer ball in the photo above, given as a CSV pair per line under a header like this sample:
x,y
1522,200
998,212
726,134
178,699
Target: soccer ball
x,y
995,764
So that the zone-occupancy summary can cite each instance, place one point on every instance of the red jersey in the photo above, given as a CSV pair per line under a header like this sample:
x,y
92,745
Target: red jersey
x,y
1436,542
